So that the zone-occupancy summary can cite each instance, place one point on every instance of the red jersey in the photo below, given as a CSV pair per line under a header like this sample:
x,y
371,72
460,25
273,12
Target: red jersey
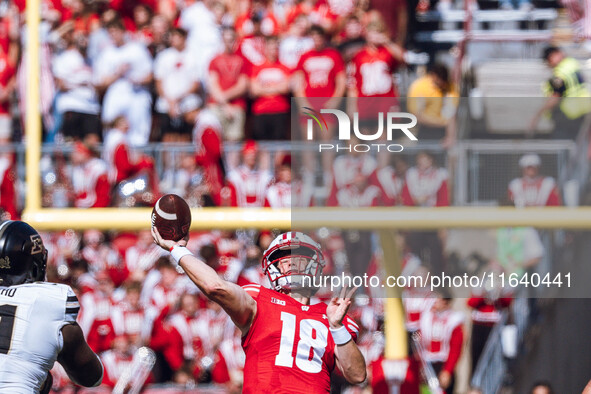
x,y
207,135
96,321
91,185
320,69
319,14
270,74
114,364
486,311
249,186
229,68
391,185
534,192
370,74
7,72
269,24
442,337
289,347
425,188
253,50
7,189
384,374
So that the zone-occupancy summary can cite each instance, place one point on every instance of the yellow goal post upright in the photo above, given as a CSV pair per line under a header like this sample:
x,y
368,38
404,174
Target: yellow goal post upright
x,y
384,219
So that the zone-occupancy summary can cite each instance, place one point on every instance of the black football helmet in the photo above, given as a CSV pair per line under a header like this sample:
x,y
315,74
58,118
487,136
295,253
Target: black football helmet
x,y
23,257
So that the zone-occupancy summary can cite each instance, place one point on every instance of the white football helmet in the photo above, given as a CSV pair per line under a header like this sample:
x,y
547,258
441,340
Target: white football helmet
x,y
293,244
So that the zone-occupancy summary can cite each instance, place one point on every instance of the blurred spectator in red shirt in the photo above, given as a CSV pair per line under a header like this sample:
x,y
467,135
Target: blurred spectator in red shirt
x,y
141,257
487,306
319,12
320,82
126,9
442,336
252,273
247,183
10,32
8,178
228,84
252,47
116,360
395,16
207,137
85,21
320,73
97,307
123,71
425,184
130,314
269,87
120,159
295,42
96,252
533,189
371,74
90,180
259,10
229,363
7,87
77,99
227,267
177,85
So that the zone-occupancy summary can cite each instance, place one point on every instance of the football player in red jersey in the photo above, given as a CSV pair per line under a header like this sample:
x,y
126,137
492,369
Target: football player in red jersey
x,y
290,345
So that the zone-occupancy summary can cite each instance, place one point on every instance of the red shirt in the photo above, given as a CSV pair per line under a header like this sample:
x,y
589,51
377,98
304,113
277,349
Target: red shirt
x,y
289,345
407,368
252,48
5,26
370,74
425,188
270,74
229,68
7,72
7,189
269,24
320,69
317,14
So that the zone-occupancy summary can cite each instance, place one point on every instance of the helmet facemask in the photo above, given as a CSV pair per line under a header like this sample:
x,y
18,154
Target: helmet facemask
x,y
301,273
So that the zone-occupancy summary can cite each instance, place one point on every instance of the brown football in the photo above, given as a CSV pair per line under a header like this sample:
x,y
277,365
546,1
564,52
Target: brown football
x,y
171,215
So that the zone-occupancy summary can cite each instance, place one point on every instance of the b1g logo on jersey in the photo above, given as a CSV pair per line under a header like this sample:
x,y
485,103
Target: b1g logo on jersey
x,y
278,302
37,244
395,121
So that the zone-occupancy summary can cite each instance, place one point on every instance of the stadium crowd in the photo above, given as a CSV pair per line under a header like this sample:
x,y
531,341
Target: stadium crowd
x,y
118,75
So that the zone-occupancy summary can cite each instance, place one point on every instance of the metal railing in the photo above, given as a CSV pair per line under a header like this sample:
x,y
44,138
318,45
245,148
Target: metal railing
x,y
480,170
492,367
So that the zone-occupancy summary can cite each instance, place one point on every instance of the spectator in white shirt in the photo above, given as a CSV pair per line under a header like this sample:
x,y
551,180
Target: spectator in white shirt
x,y
177,84
77,100
123,71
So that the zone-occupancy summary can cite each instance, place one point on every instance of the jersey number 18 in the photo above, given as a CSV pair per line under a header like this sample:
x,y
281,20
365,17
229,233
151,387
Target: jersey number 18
x,y
308,343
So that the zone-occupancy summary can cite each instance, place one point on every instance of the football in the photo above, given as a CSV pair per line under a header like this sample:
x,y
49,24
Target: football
x,y
171,215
